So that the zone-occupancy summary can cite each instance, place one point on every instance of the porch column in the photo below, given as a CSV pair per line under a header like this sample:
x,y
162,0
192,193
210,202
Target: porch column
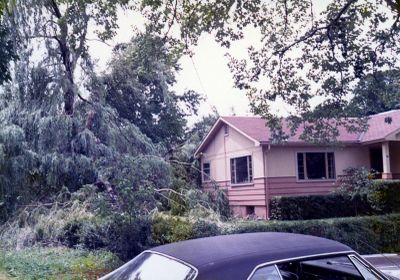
x,y
387,172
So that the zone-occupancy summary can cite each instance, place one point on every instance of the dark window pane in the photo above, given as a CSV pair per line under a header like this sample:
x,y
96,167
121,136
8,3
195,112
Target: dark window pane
x,y
206,172
242,174
233,180
300,166
331,166
241,170
316,166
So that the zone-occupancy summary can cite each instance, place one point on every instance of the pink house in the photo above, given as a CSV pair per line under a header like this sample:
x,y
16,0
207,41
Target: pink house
x,y
238,156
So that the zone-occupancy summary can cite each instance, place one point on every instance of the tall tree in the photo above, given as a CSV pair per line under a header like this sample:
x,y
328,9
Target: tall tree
x,y
7,53
41,149
302,58
61,28
139,86
376,93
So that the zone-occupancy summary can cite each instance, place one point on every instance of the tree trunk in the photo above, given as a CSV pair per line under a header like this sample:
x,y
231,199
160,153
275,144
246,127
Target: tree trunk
x,y
69,91
69,98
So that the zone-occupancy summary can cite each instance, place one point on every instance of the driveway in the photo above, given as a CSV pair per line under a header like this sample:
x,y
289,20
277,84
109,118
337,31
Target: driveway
x,y
387,263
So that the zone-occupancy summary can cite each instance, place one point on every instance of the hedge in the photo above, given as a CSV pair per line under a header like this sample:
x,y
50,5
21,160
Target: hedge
x,y
318,207
381,197
367,235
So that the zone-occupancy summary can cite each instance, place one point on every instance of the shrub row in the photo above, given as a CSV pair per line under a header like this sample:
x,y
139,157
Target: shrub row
x,y
318,207
381,197
370,234
367,235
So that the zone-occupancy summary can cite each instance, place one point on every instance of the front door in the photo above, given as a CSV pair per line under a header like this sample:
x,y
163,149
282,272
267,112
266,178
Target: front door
x,y
375,154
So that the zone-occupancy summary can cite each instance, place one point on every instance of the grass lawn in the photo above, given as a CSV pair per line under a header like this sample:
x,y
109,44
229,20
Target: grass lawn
x,y
56,263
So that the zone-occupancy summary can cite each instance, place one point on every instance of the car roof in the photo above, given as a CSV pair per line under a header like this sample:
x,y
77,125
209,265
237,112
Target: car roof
x,y
235,256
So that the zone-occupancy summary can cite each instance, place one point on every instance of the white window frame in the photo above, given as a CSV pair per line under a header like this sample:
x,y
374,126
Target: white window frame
x,y
249,170
326,166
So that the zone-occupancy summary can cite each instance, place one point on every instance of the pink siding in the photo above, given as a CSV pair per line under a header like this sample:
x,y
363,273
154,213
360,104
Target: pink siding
x,y
290,186
252,194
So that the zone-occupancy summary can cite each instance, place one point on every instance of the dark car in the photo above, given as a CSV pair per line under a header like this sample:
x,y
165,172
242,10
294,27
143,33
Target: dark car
x,y
255,256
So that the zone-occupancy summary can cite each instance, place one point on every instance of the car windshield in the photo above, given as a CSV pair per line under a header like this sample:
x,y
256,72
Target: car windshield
x,y
151,266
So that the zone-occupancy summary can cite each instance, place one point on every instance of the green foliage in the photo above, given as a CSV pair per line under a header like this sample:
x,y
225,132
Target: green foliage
x,y
57,263
376,93
310,54
60,29
384,196
203,228
138,86
7,53
318,207
358,196
374,234
356,181
168,229
66,152
171,229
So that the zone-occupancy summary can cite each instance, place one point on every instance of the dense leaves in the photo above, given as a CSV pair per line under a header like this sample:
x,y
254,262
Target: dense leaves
x,y
306,54
138,86
7,51
60,29
376,93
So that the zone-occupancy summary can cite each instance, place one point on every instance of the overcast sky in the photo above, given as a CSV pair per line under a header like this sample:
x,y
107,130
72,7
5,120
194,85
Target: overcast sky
x,y
207,72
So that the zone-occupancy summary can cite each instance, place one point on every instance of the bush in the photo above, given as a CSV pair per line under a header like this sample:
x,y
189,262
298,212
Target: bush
x,y
318,207
57,263
379,197
374,234
170,229
384,196
124,237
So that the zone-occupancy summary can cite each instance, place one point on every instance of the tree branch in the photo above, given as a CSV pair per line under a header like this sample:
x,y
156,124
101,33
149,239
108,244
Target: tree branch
x,y
311,33
171,23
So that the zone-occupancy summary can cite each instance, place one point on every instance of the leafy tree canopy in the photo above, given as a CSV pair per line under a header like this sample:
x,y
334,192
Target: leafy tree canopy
x,y
138,86
302,58
60,29
7,52
376,93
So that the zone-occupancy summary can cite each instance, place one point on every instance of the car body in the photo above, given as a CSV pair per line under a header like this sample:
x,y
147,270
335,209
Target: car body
x,y
251,256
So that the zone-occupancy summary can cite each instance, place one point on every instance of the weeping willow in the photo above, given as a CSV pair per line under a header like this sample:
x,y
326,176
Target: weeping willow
x,y
43,147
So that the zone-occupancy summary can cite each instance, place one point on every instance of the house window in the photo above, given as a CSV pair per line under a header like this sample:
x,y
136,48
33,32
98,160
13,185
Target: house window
x,y
314,166
241,170
206,171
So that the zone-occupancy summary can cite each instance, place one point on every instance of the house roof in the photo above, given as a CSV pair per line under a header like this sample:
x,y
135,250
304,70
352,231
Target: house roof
x,y
235,256
255,129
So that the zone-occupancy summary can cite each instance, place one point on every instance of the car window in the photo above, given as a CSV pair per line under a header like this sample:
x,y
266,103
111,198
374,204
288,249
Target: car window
x,y
151,266
367,272
266,273
332,268
340,268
